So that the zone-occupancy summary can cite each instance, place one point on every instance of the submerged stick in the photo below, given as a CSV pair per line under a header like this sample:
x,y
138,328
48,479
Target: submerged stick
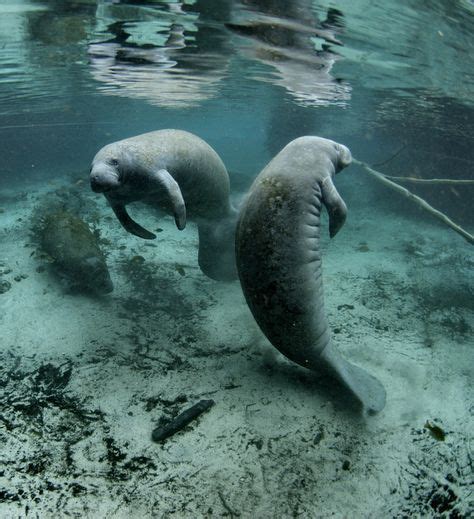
x,y
163,432
416,199
415,180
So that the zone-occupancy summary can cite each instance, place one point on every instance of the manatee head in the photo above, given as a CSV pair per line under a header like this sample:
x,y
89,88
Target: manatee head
x,y
107,169
344,156
95,275
338,154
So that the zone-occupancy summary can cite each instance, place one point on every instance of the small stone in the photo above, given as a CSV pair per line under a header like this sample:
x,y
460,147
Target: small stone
x,y
4,286
318,437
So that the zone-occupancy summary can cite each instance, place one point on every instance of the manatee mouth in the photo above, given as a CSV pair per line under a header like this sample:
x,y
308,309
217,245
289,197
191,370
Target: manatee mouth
x,y
107,287
97,187
103,180
97,275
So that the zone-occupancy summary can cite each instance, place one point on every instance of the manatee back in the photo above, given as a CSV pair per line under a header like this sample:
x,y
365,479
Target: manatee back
x,y
75,251
194,164
279,263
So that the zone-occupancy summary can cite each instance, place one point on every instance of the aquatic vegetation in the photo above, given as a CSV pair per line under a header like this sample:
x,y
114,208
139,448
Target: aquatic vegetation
x,y
28,394
154,289
180,269
5,285
439,476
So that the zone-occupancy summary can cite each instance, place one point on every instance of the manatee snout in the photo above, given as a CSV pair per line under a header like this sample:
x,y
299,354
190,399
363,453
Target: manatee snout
x,y
103,178
344,157
96,275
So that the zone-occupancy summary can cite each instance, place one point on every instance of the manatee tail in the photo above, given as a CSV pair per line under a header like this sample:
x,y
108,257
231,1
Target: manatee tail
x,y
362,385
217,248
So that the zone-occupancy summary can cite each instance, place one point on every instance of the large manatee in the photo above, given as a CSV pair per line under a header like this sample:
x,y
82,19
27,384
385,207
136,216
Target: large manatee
x,y
279,259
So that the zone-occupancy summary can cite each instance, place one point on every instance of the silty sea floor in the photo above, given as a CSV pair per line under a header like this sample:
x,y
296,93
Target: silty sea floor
x,y
84,380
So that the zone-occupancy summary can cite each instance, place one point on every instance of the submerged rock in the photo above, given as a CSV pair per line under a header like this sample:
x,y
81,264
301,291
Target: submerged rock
x,y
4,286
74,252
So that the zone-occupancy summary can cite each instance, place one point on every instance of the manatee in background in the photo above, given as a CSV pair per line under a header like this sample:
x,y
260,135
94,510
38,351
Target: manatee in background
x,y
180,174
279,259
74,252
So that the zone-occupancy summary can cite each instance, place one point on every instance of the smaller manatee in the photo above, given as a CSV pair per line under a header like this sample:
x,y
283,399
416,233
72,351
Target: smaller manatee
x,y
74,252
179,174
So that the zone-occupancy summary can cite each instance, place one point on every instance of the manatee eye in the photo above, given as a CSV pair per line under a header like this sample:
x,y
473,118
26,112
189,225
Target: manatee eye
x,y
113,162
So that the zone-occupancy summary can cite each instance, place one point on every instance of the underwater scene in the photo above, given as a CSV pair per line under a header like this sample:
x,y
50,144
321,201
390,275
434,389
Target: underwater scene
x,y
236,259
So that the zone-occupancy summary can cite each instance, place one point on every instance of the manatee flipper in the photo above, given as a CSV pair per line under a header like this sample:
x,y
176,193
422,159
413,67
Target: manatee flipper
x,y
128,224
175,197
363,386
335,205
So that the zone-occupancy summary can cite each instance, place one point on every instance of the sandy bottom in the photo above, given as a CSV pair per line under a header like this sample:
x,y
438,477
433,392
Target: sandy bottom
x,y
84,380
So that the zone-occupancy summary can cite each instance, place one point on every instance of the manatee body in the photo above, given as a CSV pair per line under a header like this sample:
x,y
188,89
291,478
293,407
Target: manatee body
x,y
75,252
279,259
180,174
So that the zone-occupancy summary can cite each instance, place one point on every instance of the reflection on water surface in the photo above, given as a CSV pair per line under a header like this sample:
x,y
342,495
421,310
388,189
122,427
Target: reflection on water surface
x,y
180,53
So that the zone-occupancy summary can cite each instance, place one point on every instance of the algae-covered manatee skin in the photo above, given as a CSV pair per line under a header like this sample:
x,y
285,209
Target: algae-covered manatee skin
x,y
75,252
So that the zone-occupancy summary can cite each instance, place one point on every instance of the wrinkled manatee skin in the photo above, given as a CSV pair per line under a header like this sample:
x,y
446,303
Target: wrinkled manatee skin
x,y
279,260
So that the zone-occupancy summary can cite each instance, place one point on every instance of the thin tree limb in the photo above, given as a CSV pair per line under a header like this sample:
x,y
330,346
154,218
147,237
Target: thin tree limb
x,y
414,180
377,164
416,199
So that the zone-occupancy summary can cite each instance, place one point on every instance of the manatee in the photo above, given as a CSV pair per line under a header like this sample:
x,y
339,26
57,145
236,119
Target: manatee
x,y
179,174
74,252
279,259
